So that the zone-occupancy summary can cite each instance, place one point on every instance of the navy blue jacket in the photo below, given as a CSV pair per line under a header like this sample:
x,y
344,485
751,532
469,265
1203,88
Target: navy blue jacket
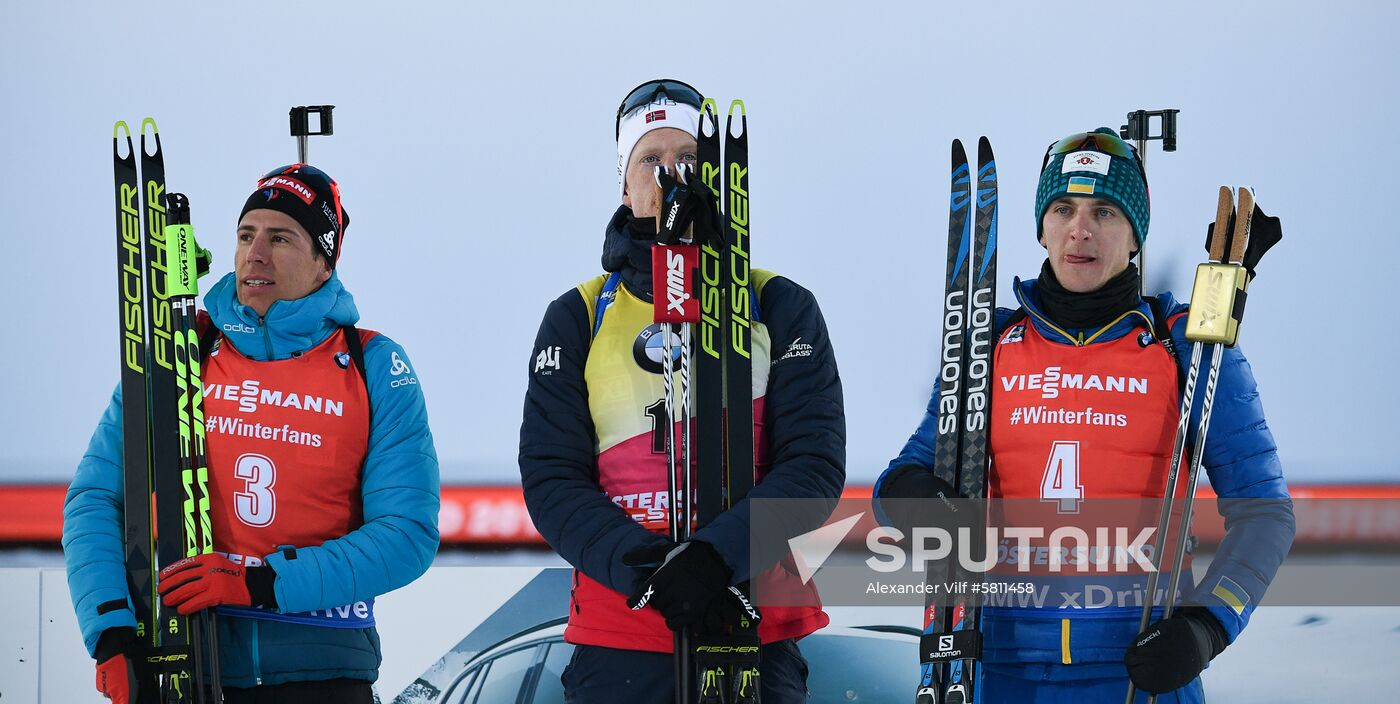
x,y
804,416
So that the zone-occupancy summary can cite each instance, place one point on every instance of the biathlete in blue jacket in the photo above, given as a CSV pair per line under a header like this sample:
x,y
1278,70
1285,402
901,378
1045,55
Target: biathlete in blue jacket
x,y
323,481
1085,402
595,477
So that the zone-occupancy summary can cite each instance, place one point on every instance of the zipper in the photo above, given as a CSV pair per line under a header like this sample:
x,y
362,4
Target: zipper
x,y
257,664
266,335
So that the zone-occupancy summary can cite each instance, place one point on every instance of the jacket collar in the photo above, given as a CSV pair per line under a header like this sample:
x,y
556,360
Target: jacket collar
x,y
1029,297
289,328
628,254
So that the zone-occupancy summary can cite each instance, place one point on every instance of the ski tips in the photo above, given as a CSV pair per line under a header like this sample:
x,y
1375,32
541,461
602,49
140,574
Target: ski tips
x,y
121,134
959,154
155,137
986,162
742,123
709,118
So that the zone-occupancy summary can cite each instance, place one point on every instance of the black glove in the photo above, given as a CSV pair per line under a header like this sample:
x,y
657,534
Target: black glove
x,y
689,580
121,665
1173,651
685,202
916,490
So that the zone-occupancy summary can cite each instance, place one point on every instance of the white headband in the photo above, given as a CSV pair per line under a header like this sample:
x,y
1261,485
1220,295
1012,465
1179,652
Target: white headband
x,y
652,116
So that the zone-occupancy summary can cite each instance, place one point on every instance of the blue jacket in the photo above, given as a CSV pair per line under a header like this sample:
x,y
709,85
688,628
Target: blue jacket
x,y
1240,458
396,543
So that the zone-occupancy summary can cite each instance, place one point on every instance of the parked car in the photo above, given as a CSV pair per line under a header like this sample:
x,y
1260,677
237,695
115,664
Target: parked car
x,y
526,669
517,655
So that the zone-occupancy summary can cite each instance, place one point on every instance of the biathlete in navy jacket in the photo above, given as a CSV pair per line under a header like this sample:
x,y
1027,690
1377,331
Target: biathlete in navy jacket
x,y
1084,406
323,482
596,486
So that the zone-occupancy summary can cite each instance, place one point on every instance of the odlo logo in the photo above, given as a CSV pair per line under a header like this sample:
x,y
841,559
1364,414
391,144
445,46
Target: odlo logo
x,y
397,367
676,295
547,360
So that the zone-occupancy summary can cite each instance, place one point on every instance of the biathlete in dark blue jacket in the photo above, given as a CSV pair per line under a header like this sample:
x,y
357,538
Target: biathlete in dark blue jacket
x,y
323,482
1084,407
594,480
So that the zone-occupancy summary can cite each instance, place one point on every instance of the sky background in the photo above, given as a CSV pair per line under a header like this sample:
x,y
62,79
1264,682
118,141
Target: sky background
x,y
474,148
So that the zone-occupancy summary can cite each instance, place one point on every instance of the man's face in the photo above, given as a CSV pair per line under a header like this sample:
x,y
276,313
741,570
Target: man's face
x,y
668,146
1089,241
275,261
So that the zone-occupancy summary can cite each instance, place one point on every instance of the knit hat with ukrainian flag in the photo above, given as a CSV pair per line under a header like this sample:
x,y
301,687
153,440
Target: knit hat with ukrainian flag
x,y
1095,164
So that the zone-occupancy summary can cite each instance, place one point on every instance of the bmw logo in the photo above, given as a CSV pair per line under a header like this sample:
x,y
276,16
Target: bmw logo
x,y
1144,339
647,348
342,360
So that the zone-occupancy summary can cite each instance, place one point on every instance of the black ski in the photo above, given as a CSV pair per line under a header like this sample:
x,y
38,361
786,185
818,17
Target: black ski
x,y
709,362
738,364
738,379
710,343
725,666
951,630
947,454
138,540
174,654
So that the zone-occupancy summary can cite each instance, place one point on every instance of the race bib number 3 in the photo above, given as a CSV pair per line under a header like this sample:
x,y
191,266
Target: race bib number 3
x,y
256,504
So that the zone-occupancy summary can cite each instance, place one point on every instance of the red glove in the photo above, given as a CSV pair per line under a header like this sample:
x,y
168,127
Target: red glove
x,y
116,680
116,671
197,583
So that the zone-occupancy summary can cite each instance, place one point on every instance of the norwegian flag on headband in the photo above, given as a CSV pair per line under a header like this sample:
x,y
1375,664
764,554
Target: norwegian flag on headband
x,y
655,115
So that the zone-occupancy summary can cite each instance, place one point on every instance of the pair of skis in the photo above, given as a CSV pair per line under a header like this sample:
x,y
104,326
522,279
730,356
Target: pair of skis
x,y
716,305
158,269
1217,308
950,648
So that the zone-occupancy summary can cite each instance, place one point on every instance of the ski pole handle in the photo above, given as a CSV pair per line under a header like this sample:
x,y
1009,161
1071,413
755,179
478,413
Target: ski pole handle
x,y
673,283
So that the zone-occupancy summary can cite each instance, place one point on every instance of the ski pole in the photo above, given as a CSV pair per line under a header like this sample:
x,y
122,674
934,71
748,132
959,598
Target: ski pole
x,y
1217,308
187,263
673,266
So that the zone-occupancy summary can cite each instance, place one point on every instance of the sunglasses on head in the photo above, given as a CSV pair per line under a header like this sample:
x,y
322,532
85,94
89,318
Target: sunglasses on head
x,y
650,92
309,170
1097,142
